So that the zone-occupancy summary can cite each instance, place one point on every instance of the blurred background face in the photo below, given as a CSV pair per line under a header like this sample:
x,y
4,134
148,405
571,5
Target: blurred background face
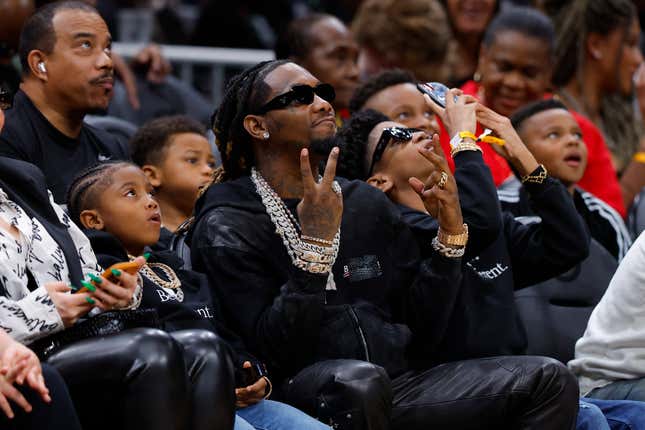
x,y
333,58
404,104
13,14
515,70
470,16
625,54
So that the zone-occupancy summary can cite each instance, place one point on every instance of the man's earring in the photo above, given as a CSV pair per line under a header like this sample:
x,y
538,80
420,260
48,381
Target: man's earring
x,y
266,135
477,77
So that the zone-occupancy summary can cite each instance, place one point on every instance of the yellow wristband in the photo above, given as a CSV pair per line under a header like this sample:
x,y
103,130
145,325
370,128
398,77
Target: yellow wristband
x,y
492,140
468,135
639,157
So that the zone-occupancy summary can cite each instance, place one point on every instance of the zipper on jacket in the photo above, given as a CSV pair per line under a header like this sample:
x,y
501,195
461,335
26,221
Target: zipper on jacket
x,y
360,332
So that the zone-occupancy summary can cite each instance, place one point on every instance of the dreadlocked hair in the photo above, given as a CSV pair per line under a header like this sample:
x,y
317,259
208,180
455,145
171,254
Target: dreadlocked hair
x,y
378,83
82,192
244,94
352,141
574,21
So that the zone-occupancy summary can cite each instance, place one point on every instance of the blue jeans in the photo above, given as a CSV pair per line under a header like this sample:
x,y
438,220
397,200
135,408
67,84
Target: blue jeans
x,y
625,389
270,415
610,414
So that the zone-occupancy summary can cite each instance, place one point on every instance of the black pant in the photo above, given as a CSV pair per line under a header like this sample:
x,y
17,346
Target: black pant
x,y
499,392
210,371
59,414
148,379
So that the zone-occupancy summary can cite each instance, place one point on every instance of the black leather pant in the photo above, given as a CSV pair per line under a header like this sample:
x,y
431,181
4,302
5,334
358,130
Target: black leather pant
x,y
210,372
147,379
59,414
500,392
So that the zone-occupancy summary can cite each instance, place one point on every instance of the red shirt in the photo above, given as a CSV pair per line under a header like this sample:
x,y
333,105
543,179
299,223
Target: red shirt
x,y
600,177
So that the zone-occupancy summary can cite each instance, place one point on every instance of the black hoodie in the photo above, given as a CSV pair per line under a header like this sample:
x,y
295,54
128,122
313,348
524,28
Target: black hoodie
x,y
196,311
486,322
386,296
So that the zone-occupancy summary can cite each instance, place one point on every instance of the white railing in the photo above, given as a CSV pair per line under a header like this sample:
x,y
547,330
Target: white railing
x,y
184,58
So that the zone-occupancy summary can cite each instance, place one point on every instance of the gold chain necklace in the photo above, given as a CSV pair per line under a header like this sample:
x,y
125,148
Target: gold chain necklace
x,y
171,282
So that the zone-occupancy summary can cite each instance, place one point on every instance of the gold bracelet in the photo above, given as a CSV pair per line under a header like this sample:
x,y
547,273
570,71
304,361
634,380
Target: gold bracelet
x,y
639,157
464,146
460,239
537,176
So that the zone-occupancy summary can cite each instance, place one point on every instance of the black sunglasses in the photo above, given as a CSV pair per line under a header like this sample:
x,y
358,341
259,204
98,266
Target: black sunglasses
x,y
301,94
390,134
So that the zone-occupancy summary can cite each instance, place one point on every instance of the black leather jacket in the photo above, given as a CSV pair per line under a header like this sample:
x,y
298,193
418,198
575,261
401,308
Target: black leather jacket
x,y
386,298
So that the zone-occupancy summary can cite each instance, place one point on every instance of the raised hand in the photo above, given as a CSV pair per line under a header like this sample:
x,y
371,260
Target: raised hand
x,y
439,191
458,115
321,209
513,150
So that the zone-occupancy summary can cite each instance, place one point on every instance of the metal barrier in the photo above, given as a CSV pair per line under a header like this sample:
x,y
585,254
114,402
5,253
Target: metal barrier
x,y
184,58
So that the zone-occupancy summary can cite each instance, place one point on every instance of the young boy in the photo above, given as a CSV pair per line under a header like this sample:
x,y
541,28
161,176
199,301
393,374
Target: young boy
x,y
175,155
552,134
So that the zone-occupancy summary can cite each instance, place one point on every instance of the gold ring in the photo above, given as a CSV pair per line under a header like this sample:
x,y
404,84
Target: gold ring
x,y
442,182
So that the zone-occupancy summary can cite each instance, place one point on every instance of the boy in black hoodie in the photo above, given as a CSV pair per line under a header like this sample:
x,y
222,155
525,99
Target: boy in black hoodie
x,y
508,255
315,300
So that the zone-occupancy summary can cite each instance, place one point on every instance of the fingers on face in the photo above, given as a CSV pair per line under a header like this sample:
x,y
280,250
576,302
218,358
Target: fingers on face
x,y
417,185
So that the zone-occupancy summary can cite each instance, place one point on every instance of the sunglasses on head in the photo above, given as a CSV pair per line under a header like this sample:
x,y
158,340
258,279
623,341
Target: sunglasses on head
x,y
390,134
300,94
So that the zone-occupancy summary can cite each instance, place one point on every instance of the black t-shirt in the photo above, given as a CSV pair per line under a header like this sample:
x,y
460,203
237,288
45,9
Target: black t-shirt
x,y
27,135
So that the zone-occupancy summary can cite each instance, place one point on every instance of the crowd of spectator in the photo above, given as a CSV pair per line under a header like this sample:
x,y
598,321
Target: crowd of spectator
x,y
337,243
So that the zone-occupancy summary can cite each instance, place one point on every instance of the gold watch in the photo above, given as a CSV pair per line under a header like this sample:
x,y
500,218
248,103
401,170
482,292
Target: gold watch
x,y
453,239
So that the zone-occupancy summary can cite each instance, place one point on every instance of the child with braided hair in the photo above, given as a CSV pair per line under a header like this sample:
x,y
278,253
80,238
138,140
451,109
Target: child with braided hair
x,y
114,203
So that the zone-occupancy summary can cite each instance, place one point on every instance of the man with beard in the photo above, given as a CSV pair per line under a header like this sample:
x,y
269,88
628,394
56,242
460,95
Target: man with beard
x,y
325,283
65,52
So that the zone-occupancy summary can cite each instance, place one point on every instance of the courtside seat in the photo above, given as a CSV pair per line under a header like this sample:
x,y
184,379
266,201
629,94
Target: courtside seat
x,y
555,312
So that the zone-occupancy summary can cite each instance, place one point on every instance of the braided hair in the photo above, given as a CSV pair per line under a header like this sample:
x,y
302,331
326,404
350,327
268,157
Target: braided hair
x,y
244,94
574,21
83,191
378,83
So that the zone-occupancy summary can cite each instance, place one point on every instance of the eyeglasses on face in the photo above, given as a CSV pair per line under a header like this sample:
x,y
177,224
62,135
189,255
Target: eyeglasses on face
x,y
300,94
390,134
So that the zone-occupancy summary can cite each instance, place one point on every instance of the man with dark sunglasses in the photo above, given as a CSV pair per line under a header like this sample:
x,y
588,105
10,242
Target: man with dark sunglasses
x,y
328,286
299,95
66,57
